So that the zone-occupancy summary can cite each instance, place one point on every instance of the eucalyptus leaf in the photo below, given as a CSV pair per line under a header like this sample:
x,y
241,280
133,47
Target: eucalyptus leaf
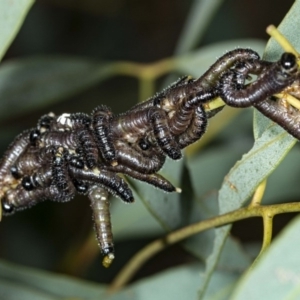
x,y
233,257
165,207
271,146
133,221
242,180
31,83
244,177
179,283
289,27
200,15
207,171
220,286
15,279
283,184
12,291
276,274
176,283
12,15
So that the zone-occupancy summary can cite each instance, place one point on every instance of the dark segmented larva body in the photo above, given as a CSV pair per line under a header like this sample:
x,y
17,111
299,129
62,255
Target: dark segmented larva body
x,y
211,77
101,213
31,160
153,179
112,182
281,115
146,162
61,179
133,124
156,99
272,79
129,125
196,129
58,138
85,138
185,117
82,153
101,118
181,99
18,199
12,154
162,133
42,177
203,89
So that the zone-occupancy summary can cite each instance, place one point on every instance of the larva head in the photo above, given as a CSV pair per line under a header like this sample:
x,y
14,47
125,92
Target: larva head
x,y
288,63
6,208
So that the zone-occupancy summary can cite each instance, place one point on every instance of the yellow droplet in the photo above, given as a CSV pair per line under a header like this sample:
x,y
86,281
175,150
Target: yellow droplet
x,y
107,260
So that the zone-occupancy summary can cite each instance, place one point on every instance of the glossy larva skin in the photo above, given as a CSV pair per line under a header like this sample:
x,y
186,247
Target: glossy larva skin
x,y
81,153
272,78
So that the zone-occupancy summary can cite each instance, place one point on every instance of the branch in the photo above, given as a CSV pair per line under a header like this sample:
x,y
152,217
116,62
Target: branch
x,y
150,250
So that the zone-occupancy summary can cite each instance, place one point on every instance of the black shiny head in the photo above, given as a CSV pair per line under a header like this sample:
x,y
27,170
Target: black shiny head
x,y
45,121
27,184
81,187
34,135
144,145
108,250
76,162
14,172
288,62
6,207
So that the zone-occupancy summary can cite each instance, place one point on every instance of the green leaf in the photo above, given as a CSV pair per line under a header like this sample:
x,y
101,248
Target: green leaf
x,y
132,221
243,179
271,146
277,273
165,207
12,15
205,184
201,14
209,168
176,283
31,83
289,27
179,283
15,280
234,257
12,291
283,185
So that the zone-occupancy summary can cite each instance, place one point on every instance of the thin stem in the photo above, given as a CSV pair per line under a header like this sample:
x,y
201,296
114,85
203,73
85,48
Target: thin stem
x,y
146,71
142,256
258,194
281,40
214,104
290,99
268,229
146,88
